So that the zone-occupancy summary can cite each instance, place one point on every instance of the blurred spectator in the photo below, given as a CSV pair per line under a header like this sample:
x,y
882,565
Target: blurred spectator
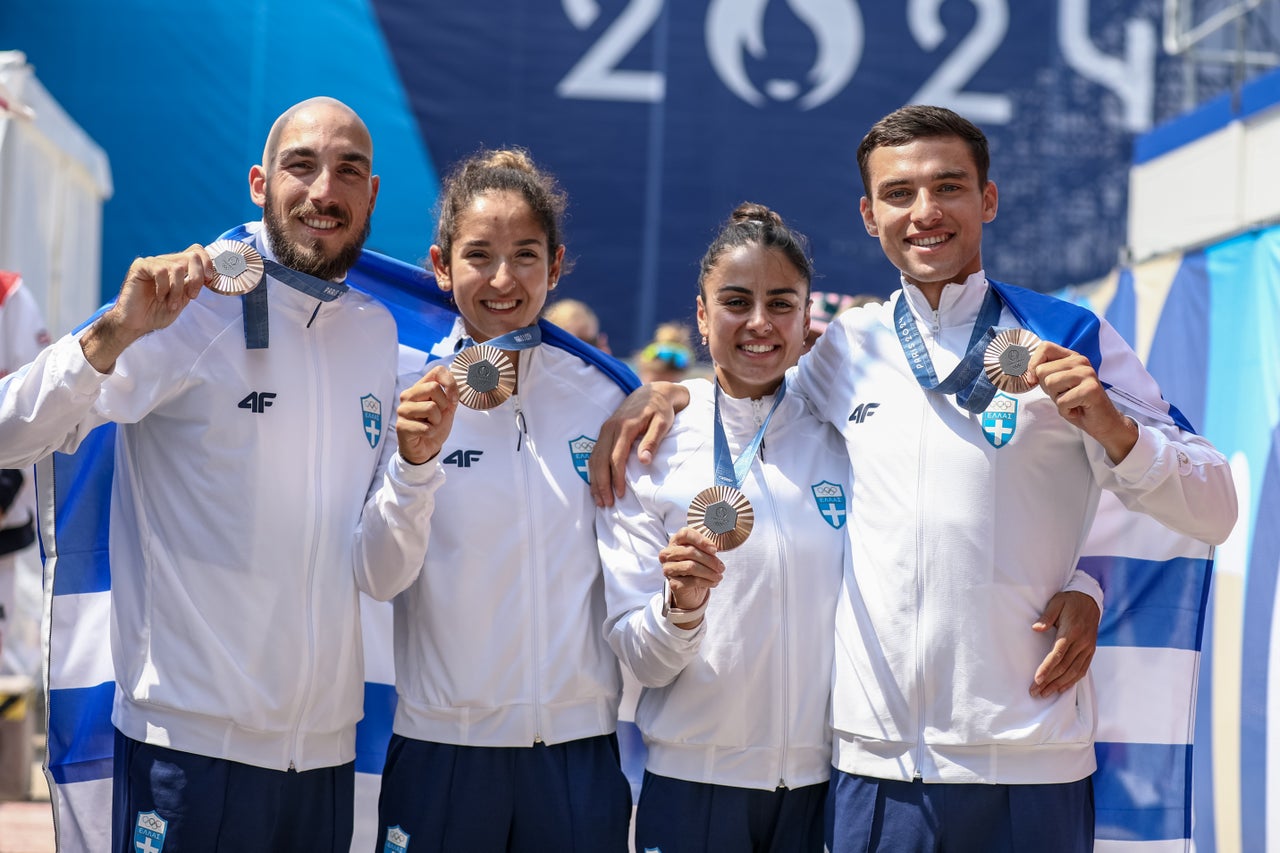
x,y
824,307
668,356
579,320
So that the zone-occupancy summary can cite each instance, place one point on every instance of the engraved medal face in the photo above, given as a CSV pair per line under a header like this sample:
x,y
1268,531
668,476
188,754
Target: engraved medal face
x,y
486,377
238,266
724,515
1007,359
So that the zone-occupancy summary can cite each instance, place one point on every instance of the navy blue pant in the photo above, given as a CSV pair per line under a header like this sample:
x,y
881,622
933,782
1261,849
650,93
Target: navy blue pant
x,y
866,814
676,816
178,802
568,798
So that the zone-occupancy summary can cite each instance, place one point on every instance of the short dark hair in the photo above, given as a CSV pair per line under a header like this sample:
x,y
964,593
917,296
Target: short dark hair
x,y
917,121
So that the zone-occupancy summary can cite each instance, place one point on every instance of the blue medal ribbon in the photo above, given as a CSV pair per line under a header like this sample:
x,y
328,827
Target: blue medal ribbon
x,y
256,327
325,291
968,382
521,339
729,473
254,303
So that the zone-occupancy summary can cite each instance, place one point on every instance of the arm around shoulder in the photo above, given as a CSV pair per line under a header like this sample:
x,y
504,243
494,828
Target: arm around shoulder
x,y
644,417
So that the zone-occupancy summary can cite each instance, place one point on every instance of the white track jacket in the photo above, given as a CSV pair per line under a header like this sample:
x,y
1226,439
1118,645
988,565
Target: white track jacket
x,y
497,639
961,528
743,699
238,539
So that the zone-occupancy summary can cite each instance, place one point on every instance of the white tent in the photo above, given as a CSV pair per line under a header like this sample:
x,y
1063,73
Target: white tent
x,y
53,182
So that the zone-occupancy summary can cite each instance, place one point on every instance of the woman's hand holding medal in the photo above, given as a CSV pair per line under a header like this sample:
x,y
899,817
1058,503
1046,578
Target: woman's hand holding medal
x,y
425,415
691,567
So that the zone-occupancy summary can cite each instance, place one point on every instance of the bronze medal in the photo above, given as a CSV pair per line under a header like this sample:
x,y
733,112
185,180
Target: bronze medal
x,y
486,377
238,266
1008,359
724,515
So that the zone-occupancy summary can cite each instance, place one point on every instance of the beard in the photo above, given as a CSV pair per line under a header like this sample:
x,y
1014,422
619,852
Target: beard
x,y
310,258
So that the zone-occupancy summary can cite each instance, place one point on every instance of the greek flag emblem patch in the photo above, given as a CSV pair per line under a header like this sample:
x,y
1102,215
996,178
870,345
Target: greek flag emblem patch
x,y
371,408
148,832
580,449
831,503
397,840
1000,420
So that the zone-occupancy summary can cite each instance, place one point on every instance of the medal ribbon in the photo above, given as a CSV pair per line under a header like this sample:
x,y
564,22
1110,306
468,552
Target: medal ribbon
x,y
256,328
521,339
732,474
969,382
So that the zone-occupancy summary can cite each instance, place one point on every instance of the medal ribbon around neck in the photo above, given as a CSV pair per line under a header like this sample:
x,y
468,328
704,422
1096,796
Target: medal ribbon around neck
x,y
722,513
240,269
968,382
732,473
485,374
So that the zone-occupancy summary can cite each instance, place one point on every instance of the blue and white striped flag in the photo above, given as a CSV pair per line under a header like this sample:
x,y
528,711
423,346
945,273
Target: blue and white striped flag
x,y
1145,675
75,499
1156,588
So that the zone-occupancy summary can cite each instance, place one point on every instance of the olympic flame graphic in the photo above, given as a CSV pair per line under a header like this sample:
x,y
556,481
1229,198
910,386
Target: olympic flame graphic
x,y
736,27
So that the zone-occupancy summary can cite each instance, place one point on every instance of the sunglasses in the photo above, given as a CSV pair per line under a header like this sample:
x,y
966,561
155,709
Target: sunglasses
x,y
673,355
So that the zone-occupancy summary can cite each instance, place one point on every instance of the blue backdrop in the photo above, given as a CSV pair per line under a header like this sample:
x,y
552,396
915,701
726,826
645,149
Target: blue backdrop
x,y
658,116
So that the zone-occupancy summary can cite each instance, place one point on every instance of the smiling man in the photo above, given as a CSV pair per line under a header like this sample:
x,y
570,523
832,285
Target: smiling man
x,y
317,219
971,501
980,437
252,499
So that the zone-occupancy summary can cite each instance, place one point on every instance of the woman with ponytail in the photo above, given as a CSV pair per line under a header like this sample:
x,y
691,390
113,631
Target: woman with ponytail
x,y
723,563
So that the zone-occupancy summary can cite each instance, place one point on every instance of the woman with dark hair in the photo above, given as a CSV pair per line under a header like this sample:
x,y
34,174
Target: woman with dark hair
x,y
723,563
504,733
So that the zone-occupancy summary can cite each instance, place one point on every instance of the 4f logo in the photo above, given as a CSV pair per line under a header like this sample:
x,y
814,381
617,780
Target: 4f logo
x,y
258,401
463,458
864,411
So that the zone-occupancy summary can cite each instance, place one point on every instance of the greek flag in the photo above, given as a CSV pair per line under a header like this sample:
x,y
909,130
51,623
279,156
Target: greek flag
x,y
1156,587
75,499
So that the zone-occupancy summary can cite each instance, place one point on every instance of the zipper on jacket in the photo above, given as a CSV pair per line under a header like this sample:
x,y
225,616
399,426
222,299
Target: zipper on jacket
x,y
919,573
784,573
317,437
521,428
534,589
